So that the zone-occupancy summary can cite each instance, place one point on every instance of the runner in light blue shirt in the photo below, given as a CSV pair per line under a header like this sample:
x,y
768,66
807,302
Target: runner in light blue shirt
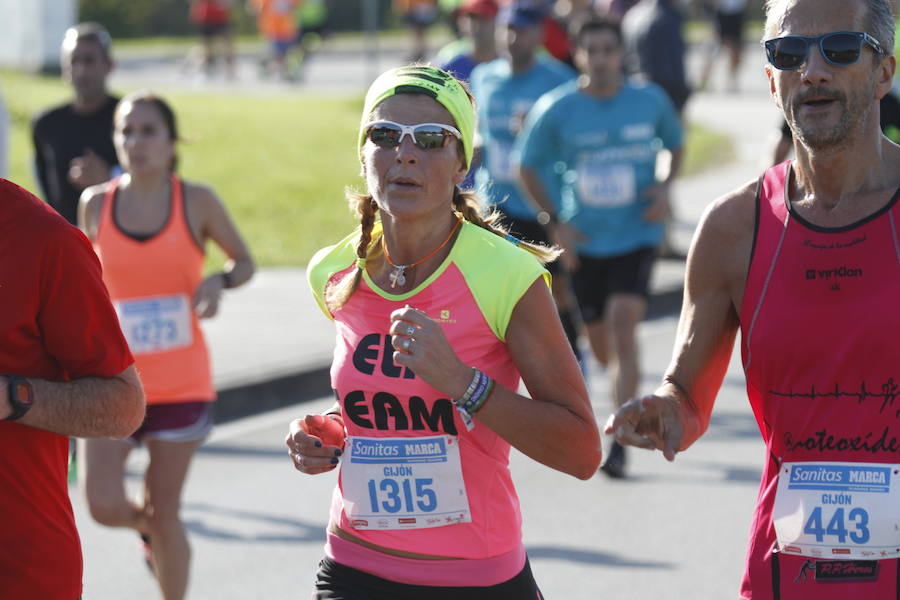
x,y
607,134
505,90
609,147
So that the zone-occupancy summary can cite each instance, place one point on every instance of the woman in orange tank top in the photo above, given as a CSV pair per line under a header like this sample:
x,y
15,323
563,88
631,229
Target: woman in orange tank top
x,y
149,229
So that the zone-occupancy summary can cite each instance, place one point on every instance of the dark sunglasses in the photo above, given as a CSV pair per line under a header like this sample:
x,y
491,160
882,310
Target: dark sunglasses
x,y
838,48
427,136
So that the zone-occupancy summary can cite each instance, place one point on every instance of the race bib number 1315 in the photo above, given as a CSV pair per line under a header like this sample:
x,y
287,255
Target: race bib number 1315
x,y
403,483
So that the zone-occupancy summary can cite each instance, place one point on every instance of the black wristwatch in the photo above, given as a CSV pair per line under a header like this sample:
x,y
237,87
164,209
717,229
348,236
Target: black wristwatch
x,y
20,394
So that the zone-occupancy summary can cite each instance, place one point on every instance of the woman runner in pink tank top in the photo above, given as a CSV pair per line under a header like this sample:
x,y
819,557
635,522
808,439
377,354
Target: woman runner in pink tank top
x,y
437,313
149,230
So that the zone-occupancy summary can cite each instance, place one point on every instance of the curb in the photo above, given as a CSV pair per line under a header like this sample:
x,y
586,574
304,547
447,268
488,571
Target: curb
x,y
271,394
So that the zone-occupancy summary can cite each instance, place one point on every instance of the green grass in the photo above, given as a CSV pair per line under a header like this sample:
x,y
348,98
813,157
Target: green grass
x,y
280,163
705,149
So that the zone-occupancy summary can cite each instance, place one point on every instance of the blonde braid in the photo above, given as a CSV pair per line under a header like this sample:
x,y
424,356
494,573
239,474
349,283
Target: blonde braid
x,y
340,293
467,204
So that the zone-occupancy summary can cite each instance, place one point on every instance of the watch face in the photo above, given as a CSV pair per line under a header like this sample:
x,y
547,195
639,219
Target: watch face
x,y
23,393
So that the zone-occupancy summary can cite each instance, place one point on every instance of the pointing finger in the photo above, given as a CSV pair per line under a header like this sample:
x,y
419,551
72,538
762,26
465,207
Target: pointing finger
x,y
629,413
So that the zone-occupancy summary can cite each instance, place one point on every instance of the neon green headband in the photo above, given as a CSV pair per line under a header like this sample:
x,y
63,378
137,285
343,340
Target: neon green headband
x,y
431,81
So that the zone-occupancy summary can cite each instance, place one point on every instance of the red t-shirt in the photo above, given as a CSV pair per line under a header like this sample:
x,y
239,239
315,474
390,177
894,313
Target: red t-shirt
x,y
56,323
210,12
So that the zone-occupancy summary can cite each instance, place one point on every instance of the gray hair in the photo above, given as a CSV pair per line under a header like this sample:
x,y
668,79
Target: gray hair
x,y
879,21
87,32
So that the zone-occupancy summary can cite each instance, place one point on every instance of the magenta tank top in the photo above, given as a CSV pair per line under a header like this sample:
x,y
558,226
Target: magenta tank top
x,y
413,476
820,330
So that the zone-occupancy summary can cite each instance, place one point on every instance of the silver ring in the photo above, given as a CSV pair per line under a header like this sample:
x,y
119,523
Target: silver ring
x,y
405,343
411,329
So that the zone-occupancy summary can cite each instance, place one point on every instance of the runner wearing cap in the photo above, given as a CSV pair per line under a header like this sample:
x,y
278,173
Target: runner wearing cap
x,y
476,20
438,312
505,90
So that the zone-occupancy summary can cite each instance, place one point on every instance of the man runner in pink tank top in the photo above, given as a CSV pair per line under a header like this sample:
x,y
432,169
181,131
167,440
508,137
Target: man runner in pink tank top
x,y
806,262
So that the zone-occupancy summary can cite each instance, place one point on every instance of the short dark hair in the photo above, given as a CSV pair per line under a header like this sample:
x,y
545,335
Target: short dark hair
x,y
582,28
88,32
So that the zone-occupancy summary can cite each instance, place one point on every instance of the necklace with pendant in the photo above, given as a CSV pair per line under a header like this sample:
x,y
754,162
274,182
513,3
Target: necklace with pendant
x,y
396,276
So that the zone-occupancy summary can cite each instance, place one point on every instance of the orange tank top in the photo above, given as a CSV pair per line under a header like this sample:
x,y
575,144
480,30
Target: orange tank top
x,y
152,284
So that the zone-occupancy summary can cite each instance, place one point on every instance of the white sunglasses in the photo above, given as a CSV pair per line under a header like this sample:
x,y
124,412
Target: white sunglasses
x,y
427,136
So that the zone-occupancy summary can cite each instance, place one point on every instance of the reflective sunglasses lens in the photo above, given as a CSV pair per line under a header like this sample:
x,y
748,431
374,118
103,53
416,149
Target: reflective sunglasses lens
x,y
429,137
842,48
787,52
385,136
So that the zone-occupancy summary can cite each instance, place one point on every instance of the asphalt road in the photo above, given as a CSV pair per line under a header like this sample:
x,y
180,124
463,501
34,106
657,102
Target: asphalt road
x,y
669,531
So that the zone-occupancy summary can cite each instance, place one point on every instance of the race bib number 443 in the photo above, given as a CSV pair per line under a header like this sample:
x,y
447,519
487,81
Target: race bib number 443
x,y
838,510
403,483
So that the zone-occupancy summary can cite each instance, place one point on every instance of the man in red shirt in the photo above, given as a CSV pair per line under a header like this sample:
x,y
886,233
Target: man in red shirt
x,y
66,371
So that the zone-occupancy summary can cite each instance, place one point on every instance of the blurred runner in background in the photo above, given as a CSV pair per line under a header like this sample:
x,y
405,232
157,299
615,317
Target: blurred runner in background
x,y
213,19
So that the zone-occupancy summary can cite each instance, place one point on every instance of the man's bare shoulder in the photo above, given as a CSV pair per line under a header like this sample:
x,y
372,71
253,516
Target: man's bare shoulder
x,y
723,242
732,216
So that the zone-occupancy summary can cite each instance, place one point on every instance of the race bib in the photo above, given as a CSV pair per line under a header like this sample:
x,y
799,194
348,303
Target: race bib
x,y
156,324
403,483
838,510
500,164
601,185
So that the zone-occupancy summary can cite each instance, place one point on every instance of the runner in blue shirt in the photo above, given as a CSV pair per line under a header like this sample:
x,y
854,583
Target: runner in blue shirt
x,y
607,132
505,90
478,45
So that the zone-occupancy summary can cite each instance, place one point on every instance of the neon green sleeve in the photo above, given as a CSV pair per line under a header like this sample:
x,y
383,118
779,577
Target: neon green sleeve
x,y
498,274
325,263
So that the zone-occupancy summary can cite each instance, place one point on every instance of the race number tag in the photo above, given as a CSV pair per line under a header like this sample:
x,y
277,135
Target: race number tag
x,y
403,483
500,162
156,324
838,510
601,185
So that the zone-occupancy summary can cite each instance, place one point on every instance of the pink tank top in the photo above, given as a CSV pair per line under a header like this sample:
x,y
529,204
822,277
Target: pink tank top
x,y
472,298
152,285
820,331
